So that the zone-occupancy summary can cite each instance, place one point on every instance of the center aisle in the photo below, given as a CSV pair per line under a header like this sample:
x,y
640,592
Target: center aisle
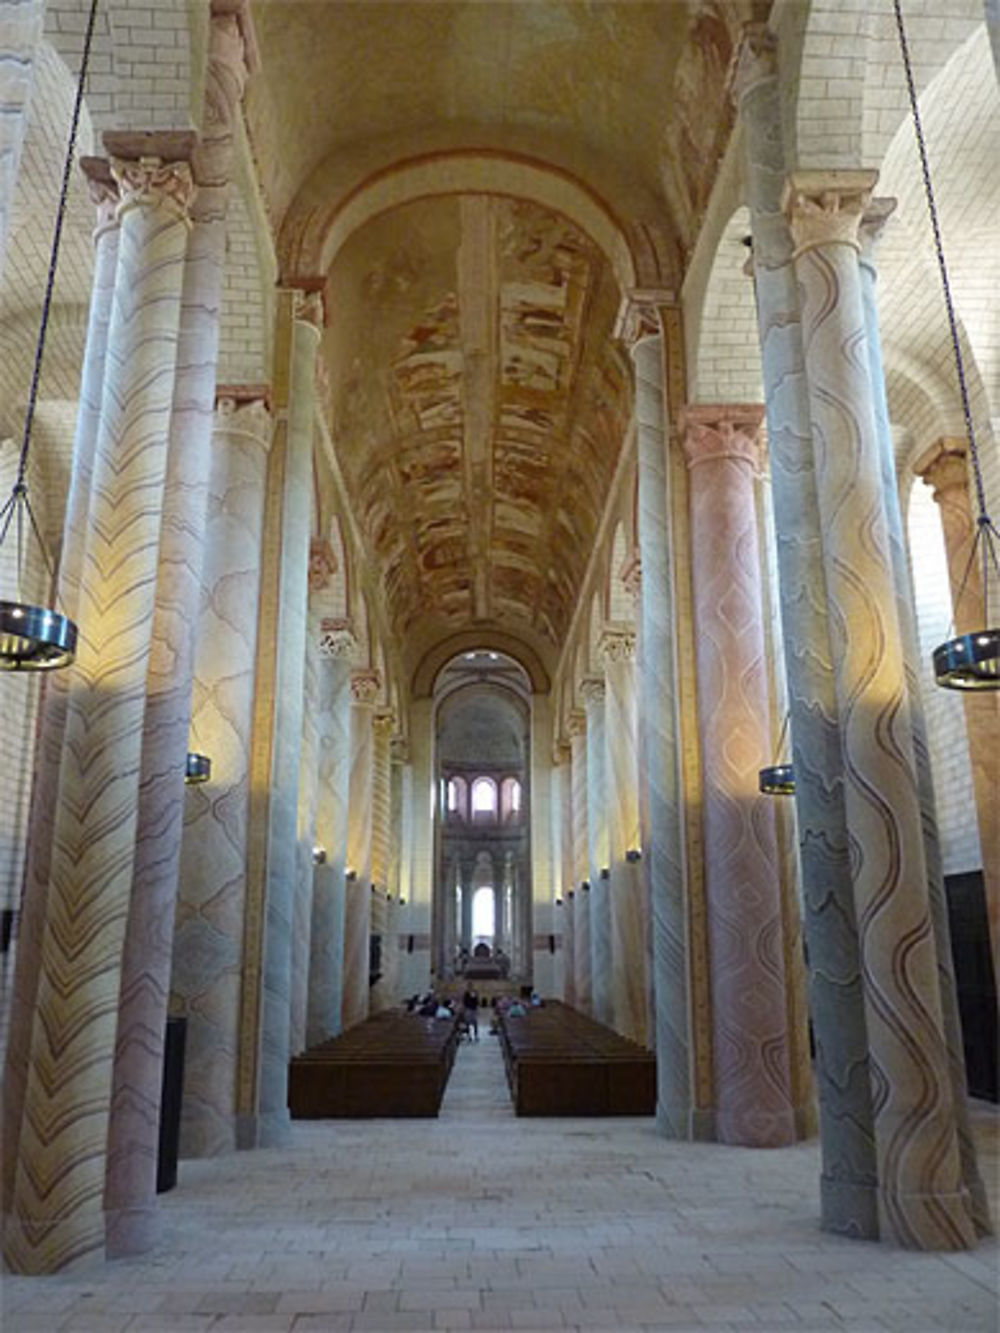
x,y
477,1089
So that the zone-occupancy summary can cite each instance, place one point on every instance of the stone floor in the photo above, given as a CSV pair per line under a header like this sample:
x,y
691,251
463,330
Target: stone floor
x,y
481,1221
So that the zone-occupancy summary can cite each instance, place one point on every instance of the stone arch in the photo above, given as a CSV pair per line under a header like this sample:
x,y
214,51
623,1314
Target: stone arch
x,y
438,657
726,365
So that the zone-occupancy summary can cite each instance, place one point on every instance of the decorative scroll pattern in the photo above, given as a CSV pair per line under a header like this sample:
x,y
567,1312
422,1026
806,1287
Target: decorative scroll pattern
x,y
582,955
357,915
598,854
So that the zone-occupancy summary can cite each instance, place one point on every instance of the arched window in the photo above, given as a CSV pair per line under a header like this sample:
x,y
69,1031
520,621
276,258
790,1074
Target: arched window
x,y
510,799
456,798
484,799
484,915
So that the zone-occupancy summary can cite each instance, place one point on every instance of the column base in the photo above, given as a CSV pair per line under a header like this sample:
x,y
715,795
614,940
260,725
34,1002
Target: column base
x,y
65,1245
848,1208
272,1129
927,1221
130,1231
756,1128
677,1122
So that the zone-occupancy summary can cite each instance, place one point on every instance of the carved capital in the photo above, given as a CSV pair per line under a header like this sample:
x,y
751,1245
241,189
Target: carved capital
x,y
399,750
639,314
826,207
150,182
384,723
560,753
756,60
322,564
336,639
631,575
617,646
944,466
576,723
365,687
103,190
309,306
713,432
592,690
873,221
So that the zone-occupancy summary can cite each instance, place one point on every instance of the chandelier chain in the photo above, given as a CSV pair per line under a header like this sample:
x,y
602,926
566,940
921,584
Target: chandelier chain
x,y
939,249
20,488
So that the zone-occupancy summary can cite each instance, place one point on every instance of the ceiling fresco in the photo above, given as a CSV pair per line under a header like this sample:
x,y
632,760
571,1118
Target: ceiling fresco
x,y
478,404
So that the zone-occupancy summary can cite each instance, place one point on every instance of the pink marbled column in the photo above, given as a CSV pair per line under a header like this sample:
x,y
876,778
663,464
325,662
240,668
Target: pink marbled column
x,y
582,982
208,937
305,865
357,915
381,845
59,1184
754,1104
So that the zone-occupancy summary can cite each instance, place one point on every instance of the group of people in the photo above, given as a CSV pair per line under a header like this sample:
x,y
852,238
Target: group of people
x,y
467,1008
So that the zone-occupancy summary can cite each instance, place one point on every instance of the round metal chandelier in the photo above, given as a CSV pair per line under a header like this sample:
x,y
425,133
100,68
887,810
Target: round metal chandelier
x,y
969,661
777,779
39,638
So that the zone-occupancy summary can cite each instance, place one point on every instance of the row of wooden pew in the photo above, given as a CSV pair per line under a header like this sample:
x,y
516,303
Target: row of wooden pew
x,y
560,1062
395,1064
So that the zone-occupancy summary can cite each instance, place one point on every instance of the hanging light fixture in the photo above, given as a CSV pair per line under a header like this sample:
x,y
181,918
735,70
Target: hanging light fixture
x,y
969,661
777,779
198,769
39,638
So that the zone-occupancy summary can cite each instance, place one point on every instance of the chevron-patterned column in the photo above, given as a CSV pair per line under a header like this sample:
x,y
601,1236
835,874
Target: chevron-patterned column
x,y
872,224
663,833
326,941
57,1215
753,1098
598,862
357,915
582,957
628,924
52,724
305,864
921,1200
133,1132
564,917
381,843
262,1082
206,974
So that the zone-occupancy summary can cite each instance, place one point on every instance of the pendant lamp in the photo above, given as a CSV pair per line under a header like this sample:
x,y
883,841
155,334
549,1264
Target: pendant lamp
x,y
39,638
968,661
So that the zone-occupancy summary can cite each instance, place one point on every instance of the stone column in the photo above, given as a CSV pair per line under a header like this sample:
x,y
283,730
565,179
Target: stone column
x,y
597,853
57,1214
921,1200
565,915
465,881
326,939
381,847
277,728
20,29
663,832
582,956
357,916
750,1031
944,467
628,926
52,723
208,938
305,849
848,1178
133,1132
391,950
872,223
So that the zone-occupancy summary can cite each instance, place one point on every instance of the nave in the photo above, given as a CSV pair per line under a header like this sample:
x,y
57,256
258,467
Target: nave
x,y
478,1220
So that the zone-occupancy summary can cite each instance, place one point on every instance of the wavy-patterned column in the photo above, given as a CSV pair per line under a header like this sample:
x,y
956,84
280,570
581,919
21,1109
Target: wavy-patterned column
x,y
20,30
262,1087
382,845
52,722
206,970
597,852
133,1133
357,918
628,938
326,940
398,755
59,1183
753,1099
663,833
872,224
921,1200
562,916
582,955
305,865
848,1177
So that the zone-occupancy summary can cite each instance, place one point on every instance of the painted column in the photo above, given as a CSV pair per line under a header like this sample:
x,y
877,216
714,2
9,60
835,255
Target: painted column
x,y
277,729
944,467
419,813
55,696
750,1032
57,1207
598,860
582,956
848,1176
663,833
921,1200
628,940
381,848
357,914
20,31
465,883
872,223
305,860
391,946
208,939
326,936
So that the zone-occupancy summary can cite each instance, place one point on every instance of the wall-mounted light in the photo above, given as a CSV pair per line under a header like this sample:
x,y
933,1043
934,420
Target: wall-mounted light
x,y
402,902
605,873
350,875
633,854
585,885
197,769
319,856
570,895
777,780
559,902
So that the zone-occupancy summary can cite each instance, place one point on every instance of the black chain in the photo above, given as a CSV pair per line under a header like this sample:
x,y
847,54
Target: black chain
x,y
984,519
20,487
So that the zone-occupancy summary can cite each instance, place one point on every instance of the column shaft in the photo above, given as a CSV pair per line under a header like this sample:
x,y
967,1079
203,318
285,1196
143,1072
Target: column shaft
x,y
582,955
598,854
357,918
381,850
305,866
